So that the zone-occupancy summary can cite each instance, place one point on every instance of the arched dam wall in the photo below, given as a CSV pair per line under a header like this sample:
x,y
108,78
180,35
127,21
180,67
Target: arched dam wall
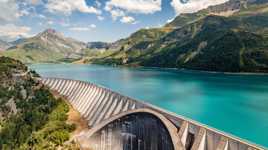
x,y
107,111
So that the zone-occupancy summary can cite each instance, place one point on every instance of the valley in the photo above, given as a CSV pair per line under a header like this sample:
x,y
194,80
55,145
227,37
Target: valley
x,y
230,37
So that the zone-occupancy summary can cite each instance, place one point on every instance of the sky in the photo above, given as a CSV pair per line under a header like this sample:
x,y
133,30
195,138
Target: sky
x,y
90,20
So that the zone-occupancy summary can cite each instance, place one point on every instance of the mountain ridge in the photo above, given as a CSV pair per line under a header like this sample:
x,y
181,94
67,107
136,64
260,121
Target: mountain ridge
x,y
47,46
188,41
192,45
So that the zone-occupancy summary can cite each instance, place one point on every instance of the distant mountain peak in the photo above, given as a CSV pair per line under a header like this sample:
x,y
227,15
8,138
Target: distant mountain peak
x,y
50,32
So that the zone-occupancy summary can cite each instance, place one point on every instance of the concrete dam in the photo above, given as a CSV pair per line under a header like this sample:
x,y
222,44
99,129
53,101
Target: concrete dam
x,y
119,122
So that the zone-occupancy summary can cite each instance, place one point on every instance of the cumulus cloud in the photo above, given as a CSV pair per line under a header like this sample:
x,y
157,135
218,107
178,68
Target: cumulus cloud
x,y
117,13
12,31
68,6
193,5
93,26
128,20
100,18
122,8
135,6
9,10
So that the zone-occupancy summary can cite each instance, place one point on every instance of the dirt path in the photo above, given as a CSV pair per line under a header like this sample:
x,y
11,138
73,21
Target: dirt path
x,y
74,117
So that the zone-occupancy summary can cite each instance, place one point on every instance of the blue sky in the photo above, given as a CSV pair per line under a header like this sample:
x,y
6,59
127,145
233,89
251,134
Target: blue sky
x,y
90,20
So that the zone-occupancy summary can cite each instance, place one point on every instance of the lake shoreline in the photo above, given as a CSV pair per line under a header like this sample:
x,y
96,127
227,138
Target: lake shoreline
x,y
163,68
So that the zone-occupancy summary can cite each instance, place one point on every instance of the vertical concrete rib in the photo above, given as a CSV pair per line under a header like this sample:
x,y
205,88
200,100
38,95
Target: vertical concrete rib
x,y
70,91
54,83
183,132
92,103
118,108
50,82
90,100
78,92
68,88
101,107
83,96
46,81
126,104
200,140
62,86
106,108
58,85
85,99
223,144
118,103
96,105
112,108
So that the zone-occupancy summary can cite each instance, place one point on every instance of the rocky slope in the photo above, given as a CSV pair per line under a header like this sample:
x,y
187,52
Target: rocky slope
x,y
30,116
48,46
4,45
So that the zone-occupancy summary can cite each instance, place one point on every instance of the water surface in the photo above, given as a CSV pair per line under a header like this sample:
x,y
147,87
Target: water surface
x,y
236,104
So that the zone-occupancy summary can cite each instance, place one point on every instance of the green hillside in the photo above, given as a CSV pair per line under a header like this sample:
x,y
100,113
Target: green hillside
x,y
48,46
30,116
237,43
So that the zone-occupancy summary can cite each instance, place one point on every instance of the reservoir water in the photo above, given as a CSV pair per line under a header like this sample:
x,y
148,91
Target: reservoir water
x,y
236,104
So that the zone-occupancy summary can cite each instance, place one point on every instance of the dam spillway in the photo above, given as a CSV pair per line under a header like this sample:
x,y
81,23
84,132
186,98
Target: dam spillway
x,y
106,112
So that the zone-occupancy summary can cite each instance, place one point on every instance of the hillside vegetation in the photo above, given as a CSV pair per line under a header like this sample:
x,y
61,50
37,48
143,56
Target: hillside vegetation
x,y
49,46
204,41
30,116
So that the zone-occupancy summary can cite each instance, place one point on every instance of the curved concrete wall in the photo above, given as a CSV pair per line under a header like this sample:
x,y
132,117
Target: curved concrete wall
x,y
133,131
98,104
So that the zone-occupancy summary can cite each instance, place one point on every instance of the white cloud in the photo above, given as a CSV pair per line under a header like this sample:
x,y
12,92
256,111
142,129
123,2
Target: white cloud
x,y
41,16
193,5
128,20
93,26
12,31
50,22
100,18
9,10
117,13
135,6
68,6
23,13
97,3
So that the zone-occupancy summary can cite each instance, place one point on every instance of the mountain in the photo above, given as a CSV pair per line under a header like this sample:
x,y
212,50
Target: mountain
x,y
225,9
18,41
4,45
48,46
206,40
30,116
98,45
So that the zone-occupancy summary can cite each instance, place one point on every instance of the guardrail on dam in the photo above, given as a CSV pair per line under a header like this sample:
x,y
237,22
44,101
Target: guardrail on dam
x,y
119,122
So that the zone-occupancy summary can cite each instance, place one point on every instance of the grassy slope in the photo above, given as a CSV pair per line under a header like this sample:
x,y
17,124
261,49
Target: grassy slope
x,y
210,43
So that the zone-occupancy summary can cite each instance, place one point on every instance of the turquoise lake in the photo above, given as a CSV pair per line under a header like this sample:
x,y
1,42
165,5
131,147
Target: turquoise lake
x,y
236,104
